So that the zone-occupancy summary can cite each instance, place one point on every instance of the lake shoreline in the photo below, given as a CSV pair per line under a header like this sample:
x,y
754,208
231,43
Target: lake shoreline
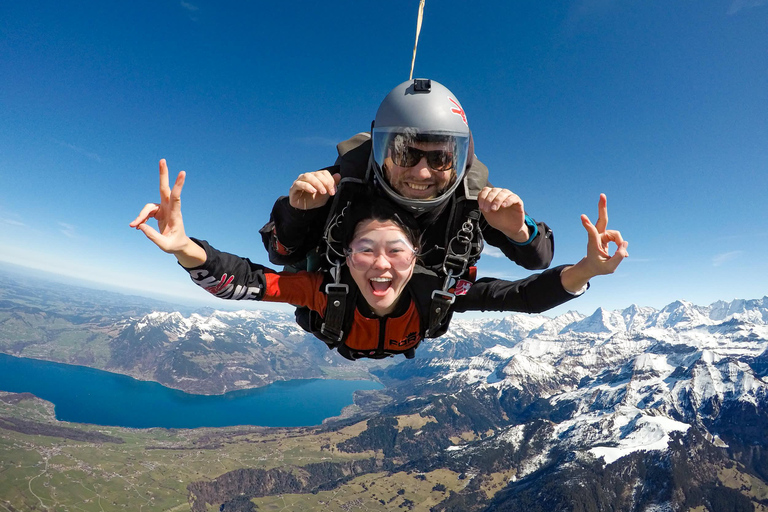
x,y
82,394
353,375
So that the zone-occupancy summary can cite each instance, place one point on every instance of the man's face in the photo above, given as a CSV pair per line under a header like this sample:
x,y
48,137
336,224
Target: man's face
x,y
420,180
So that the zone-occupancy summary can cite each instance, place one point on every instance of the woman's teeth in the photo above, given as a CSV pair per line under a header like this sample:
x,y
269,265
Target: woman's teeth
x,y
380,284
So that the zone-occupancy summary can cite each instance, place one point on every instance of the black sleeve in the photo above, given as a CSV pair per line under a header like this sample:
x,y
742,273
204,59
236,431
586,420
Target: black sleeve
x,y
290,233
533,294
228,276
536,255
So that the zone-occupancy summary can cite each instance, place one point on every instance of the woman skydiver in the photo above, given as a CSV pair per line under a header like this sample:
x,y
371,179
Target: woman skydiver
x,y
390,296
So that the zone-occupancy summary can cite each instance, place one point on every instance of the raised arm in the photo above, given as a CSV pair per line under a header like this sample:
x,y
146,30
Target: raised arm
x,y
540,292
296,223
170,236
598,260
528,243
225,275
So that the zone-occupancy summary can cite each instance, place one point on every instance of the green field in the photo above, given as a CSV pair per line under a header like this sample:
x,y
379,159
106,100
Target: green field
x,y
151,469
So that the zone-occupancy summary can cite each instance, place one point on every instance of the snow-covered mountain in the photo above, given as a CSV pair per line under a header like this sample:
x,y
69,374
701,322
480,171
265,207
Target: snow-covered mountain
x,y
606,386
530,349
639,409
622,381
223,351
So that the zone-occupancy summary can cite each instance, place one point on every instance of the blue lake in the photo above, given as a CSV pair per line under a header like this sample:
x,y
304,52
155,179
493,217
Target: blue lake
x,y
86,395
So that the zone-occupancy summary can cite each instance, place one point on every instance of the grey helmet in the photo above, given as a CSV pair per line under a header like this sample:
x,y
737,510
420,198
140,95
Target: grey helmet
x,y
420,110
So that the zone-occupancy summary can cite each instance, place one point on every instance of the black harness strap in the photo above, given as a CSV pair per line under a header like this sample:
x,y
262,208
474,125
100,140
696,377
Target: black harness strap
x,y
438,310
336,307
334,311
458,253
337,292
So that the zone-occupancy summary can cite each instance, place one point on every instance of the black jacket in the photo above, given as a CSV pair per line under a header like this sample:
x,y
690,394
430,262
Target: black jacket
x,y
292,234
365,335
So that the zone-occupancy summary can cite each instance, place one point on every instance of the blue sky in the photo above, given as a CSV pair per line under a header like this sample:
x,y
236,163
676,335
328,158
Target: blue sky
x,y
661,104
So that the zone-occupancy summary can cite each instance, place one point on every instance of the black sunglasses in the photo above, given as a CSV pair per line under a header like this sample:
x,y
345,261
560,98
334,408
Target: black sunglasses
x,y
437,159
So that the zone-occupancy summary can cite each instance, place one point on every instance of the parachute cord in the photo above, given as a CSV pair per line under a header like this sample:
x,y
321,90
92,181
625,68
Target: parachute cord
x,y
418,31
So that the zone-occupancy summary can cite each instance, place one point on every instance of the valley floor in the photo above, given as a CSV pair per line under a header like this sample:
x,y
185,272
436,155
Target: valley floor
x,y
74,467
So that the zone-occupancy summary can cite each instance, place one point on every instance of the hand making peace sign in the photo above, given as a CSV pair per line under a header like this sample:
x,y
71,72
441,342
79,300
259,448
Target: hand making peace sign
x,y
170,236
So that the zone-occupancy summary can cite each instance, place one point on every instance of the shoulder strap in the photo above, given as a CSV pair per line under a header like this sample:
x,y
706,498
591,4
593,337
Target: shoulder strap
x,y
352,164
475,179
332,327
432,303
354,154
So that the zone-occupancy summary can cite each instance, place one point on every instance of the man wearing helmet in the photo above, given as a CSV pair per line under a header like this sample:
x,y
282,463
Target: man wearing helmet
x,y
420,154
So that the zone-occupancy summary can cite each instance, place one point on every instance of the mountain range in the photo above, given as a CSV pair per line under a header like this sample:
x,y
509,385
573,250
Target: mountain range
x,y
639,409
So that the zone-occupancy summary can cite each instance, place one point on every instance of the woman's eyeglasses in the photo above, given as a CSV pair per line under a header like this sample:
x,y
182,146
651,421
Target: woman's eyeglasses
x,y
399,255
438,159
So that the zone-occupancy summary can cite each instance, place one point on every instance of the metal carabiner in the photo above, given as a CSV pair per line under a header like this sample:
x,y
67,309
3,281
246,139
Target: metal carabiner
x,y
332,241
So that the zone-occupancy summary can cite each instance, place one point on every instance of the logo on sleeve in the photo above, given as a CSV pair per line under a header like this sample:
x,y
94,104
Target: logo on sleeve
x,y
222,285
462,287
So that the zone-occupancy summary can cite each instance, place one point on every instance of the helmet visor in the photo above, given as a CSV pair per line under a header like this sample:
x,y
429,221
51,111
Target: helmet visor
x,y
419,166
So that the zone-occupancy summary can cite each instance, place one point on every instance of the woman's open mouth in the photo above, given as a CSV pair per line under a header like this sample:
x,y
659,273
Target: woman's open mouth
x,y
380,285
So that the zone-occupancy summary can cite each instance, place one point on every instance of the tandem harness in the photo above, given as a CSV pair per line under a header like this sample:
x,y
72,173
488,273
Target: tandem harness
x,y
461,243
461,251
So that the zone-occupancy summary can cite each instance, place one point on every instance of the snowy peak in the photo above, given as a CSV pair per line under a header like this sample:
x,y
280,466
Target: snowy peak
x,y
526,371
623,381
682,314
652,365
520,324
678,316
601,321
753,311
172,323
554,326
637,317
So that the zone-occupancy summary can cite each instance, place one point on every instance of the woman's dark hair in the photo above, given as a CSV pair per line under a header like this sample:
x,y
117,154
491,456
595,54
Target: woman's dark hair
x,y
374,207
